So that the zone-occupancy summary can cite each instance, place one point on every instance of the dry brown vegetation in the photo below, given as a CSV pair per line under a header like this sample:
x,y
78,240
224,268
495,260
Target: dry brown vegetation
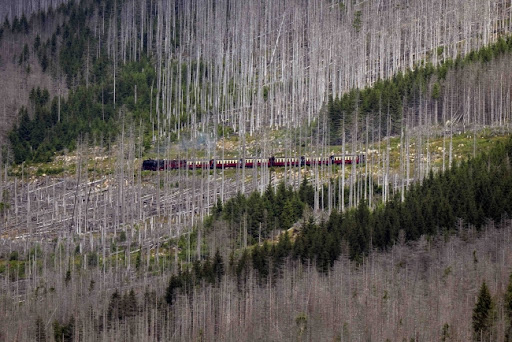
x,y
69,240
425,290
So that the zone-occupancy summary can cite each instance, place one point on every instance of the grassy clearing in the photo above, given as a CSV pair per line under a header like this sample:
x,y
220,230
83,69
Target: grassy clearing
x,y
464,146
101,162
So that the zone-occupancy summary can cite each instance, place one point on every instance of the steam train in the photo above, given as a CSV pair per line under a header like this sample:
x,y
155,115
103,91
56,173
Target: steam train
x,y
175,164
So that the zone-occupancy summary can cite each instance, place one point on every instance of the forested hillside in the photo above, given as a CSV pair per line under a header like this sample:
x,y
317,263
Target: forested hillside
x,y
244,65
303,285
410,243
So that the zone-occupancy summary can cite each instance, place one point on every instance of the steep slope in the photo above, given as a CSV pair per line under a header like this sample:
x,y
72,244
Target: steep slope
x,y
254,65
416,272
21,66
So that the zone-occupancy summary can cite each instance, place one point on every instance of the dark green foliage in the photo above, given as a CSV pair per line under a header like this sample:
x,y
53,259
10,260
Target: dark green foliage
x,y
208,271
508,309
218,266
473,191
306,193
44,62
92,259
273,210
130,306
14,256
19,25
113,306
445,333
122,306
260,261
89,114
280,252
7,24
3,207
37,43
177,282
242,267
122,236
388,97
40,333
67,278
138,259
357,21
428,208
64,332
15,24
483,316
436,91
508,299
25,27
88,110
24,55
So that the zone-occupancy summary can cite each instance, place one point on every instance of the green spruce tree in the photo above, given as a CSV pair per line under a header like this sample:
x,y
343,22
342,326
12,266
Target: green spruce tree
x,y
218,266
483,315
40,331
508,310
